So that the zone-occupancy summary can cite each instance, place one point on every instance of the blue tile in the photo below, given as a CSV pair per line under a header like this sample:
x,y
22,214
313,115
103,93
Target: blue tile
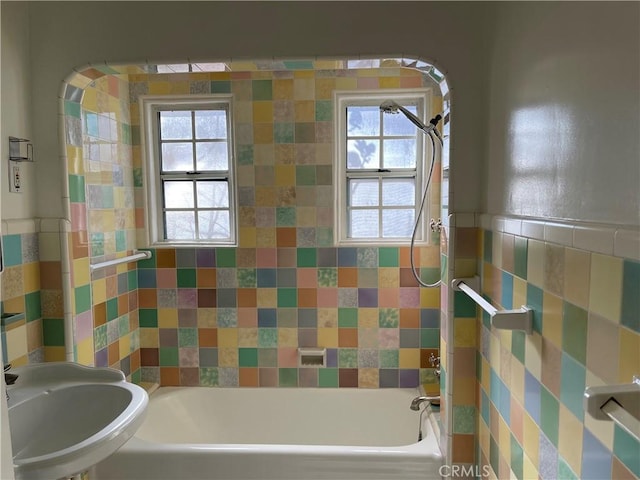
x,y
347,257
267,277
267,317
596,458
507,291
484,406
429,318
495,389
548,455
534,301
11,250
532,396
572,385
146,278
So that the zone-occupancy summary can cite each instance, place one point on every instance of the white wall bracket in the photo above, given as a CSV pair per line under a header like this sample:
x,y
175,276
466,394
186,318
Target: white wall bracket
x,y
518,319
619,403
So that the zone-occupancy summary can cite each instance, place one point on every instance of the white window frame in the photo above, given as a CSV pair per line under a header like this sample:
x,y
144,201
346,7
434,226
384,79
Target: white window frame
x,y
150,143
343,99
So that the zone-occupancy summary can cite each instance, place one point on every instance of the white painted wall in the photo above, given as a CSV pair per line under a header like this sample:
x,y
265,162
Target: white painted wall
x,y
564,123
16,107
65,35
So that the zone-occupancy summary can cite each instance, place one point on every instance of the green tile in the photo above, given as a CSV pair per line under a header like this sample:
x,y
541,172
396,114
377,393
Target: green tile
x,y
112,309
287,297
389,358
388,257
283,133
324,175
121,241
630,313
327,277
549,415
494,454
463,305
328,377
135,134
148,318
248,357
285,216
247,278
574,331
187,277
487,247
148,262
33,309
169,356
307,257
221,86
125,132
535,298
187,337
429,274
305,175
429,338
96,242
564,471
626,448
209,377
12,250
347,317
464,419
324,236
244,154
572,385
347,358
305,132
132,280
100,337
517,458
53,332
262,89
76,189
388,318
72,109
82,297
136,377
225,257
287,377
123,325
107,196
267,337
517,345
324,110
520,257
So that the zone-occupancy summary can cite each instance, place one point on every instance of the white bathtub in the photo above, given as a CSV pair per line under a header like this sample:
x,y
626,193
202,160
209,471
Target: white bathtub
x,y
195,433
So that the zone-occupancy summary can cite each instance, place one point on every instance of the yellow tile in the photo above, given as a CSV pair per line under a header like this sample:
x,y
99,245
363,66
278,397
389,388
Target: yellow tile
x,y
304,74
389,82
629,355
306,216
178,88
368,318
325,88
464,332
346,83
535,262
494,352
84,350
484,437
149,338
552,319
430,297
90,99
409,358
285,175
305,110
159,88
227,337
577,268
227,357
54,354
531,438
328,337
327,317
207,318
465,267
570,439
388,277
75,161
16,342
282,88
287,337
263,133
267,297
496,249
81,272
99,291
533,355
49,247
168,318
516,385
124,346
247,337
486,376
504,438
263,112
368,378
247,237
443,353
605,293
243,111
529,470
14,305
20,361
519,292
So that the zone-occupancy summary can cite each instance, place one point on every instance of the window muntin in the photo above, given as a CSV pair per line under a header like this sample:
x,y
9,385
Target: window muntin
x,y
381,159
190,172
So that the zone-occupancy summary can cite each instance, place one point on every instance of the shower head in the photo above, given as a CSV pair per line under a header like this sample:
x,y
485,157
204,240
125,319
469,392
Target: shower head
x,y
389,106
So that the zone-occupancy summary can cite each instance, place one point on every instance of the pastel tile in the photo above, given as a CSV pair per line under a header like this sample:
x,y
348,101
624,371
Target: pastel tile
x,y
605,293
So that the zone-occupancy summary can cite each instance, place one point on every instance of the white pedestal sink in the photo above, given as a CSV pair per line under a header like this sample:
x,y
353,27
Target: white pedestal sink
x,y
65,417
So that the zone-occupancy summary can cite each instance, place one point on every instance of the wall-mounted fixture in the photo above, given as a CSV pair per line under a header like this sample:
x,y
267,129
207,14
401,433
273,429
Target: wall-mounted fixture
x,y
20,150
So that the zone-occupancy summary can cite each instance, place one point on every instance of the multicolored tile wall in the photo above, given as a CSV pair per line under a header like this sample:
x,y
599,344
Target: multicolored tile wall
x,y
235,316
22,310
531,421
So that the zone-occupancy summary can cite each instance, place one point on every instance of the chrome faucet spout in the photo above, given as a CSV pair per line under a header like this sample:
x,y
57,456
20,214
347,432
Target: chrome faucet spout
x,y
418,401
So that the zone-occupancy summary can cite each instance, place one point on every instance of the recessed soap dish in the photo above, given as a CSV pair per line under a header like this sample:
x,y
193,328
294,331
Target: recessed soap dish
x,y
312,357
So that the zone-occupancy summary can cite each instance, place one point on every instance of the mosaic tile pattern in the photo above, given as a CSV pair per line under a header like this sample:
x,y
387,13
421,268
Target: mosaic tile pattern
x,y
532,423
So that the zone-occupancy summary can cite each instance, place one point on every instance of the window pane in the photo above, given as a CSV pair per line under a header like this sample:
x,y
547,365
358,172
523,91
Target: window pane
x,y
398,124
364,223
180,225
214,224
363,154
363,121
178,194
363,193
212,156
397,223
212,194
398,191
400,153
211,124
177,157
175,125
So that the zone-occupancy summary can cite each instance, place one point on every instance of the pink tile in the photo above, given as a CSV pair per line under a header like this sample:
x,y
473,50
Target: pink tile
x,y
268,377
328,297
266,258
368,82
409,297
166,278
287,357
247,317
388,338
388,297
307,277
78,216
84,326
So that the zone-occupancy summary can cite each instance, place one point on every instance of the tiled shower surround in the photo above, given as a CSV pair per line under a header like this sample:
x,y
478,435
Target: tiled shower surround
x,y
236,316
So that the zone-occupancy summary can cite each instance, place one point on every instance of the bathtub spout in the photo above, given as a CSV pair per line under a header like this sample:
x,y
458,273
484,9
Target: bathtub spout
x,y
432,399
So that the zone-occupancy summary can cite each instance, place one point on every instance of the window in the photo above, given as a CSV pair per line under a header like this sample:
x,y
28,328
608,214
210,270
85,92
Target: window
x,y
190,184
381,168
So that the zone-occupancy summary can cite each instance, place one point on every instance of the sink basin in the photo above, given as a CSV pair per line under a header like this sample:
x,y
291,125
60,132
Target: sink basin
x,y
66,417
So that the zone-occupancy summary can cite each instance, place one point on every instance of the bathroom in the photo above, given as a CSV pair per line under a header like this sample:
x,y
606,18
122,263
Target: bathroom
x,y
517,123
